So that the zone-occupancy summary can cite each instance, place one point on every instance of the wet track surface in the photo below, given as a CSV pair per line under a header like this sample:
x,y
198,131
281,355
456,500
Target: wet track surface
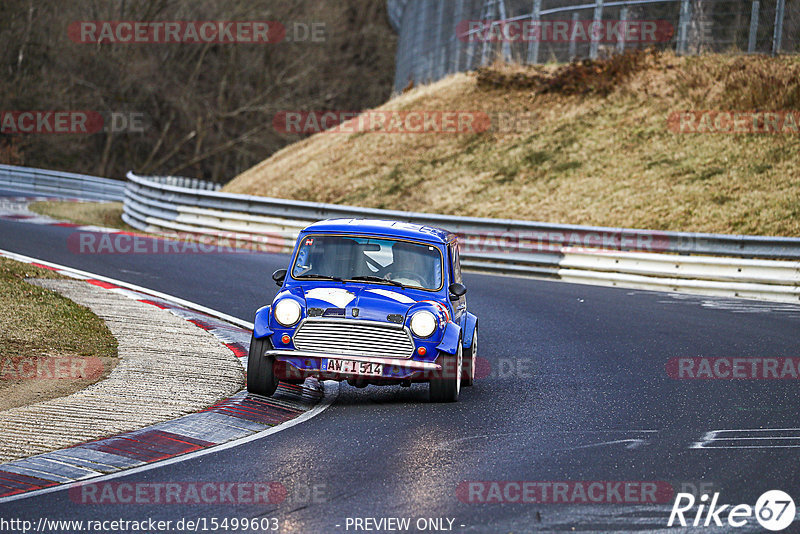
x,y
576,390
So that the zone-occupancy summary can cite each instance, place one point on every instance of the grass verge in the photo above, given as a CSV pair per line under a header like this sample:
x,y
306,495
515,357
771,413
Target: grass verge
x,y
45,339
105,214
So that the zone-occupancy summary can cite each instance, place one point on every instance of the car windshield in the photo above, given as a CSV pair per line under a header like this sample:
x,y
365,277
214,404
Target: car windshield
x,y
374,260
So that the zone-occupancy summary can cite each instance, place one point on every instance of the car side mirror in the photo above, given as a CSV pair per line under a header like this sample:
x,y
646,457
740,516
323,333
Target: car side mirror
x,y
278,276
456,290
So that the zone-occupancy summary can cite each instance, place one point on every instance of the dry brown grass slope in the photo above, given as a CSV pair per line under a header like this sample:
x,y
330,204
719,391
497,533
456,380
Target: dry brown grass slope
x,y
598,152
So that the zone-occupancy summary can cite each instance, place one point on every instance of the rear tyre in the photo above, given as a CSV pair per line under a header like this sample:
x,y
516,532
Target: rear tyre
x,y
445,388
261,378
470,358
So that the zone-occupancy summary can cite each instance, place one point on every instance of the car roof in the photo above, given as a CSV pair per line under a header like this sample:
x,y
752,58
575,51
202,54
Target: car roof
x,y
376,227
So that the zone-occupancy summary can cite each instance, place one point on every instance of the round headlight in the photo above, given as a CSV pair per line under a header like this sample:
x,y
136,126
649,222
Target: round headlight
x,y
287,312
423,323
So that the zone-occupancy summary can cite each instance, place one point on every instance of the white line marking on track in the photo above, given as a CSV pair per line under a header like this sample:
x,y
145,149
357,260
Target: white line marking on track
x,y
448,444
714,439
632,444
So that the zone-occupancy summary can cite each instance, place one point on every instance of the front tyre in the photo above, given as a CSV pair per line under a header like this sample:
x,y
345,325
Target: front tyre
x,y
470,359
261,378
445,388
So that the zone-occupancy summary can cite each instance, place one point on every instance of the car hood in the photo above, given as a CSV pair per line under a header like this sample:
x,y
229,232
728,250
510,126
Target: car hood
x,y
373,302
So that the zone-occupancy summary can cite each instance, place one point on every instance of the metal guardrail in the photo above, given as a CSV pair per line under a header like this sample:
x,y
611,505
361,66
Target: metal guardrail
x,y
707,263
83,185
61,183
749,266
182,181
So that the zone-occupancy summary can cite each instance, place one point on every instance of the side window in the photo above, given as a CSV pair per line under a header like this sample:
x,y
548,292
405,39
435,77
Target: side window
x,y
455,262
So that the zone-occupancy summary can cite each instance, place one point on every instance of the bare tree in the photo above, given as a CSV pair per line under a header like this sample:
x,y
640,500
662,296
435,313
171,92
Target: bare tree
x,y
208,107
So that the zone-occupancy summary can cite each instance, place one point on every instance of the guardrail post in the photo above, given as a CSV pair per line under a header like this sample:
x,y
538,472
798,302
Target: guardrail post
x,y
573,45
777,36
533,45
751,41
623,24
683,26
597,19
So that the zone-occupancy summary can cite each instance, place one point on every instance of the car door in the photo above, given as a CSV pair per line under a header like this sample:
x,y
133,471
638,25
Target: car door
x,y
459,306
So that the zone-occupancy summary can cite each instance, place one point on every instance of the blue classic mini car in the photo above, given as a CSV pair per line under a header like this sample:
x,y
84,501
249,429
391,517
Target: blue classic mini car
x,y
370,302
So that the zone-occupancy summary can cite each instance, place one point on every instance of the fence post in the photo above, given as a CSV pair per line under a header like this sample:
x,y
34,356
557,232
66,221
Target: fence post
x,y
623,24
488,15
596,21
430,52
533,45
439,51
778,35
573,50
457,47
751,42
683,26
419,43
473,48
506,46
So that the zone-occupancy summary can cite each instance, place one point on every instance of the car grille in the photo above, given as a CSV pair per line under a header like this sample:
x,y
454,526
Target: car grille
x,y
357,338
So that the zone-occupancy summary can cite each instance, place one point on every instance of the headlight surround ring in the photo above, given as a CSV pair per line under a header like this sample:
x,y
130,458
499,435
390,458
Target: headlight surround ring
x,y
287,312
423,324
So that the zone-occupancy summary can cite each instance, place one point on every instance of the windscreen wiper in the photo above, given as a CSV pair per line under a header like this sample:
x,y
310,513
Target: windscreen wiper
x,y
322,277
370,278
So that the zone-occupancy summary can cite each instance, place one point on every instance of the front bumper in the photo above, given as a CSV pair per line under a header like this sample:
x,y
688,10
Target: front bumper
x,y
291,356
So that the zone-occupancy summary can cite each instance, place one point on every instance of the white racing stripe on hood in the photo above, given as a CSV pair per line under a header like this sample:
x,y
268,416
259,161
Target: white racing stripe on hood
x,y
399,297
332,295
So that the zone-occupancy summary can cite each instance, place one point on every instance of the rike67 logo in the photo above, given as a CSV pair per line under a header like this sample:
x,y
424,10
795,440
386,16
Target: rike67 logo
x,y
774,511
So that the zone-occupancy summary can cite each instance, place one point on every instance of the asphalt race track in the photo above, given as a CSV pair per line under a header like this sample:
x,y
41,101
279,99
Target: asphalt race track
x,y
577,390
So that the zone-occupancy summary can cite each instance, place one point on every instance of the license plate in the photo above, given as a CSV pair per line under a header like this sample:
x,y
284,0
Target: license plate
x,y
351,367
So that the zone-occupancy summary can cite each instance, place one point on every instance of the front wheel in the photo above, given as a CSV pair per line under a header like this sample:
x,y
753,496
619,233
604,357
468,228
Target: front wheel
x,y
447,386
261,378
470,359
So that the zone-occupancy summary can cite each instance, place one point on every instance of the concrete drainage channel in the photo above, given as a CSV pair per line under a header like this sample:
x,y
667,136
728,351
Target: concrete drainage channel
x,y
82,421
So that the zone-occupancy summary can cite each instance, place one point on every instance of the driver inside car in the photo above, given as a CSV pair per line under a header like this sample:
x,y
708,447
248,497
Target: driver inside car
x,y
410,266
